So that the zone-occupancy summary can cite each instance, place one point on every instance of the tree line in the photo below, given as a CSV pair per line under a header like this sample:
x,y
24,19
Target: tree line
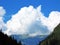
x,y
6,40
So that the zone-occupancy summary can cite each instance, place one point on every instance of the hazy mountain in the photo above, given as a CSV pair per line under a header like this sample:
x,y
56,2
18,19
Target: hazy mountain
x,y
29,40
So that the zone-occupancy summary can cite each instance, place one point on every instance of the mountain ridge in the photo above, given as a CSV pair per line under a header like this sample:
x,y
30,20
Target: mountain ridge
x,y
7,40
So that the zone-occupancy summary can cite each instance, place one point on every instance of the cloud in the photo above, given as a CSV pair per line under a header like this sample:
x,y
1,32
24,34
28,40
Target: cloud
x,y
52,21
31,21
2,11
2,24
26,21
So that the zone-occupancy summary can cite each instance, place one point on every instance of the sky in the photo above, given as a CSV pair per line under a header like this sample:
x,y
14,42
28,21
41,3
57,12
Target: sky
x,y
12,6
35,15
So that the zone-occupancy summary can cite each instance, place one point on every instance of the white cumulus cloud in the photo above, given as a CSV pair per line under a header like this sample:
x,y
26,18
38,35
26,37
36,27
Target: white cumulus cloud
x,y
30,20
52,21
2,12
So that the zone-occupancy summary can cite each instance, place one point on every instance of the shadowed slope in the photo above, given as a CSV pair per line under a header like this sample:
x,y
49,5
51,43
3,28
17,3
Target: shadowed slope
x,y
5,40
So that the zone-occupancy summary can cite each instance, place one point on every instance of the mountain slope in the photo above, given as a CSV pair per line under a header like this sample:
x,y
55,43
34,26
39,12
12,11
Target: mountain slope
x,y
5,40
29,40
53,39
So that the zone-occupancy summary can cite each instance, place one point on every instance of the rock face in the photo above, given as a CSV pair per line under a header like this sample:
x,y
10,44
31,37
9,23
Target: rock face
x,y
53,38
5,40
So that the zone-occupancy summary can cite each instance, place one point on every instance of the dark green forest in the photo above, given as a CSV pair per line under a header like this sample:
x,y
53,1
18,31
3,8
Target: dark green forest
x,y
6,40
53,38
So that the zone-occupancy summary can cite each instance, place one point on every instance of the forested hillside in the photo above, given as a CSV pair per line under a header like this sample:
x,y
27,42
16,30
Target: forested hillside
x,y
5,40
53,38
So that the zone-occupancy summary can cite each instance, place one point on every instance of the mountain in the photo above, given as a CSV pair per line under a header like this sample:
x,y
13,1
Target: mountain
x,y
29,40
6,40
53,38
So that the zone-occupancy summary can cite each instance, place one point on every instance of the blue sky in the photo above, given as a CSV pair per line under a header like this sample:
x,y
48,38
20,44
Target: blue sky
x,y
12,6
